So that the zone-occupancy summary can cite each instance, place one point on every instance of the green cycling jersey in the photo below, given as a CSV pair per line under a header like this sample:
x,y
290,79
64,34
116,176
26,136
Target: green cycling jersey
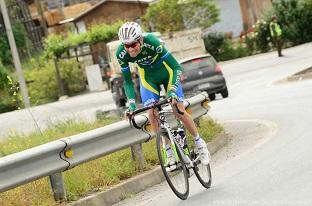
x,y
156,66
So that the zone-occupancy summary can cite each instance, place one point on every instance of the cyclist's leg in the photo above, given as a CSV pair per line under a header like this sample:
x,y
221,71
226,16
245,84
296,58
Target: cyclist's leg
x,y
189,124
186,118
149,97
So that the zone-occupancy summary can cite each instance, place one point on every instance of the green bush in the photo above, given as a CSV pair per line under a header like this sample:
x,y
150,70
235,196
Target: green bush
x,y
44,88
20,36
258,38
6,103
3,77
73,76
9,97
262,36
221,46
295,18
248,40
214,42
177,15
56,45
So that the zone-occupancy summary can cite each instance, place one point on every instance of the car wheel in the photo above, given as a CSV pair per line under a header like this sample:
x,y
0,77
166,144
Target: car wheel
x,y
212,96
225,92
123,102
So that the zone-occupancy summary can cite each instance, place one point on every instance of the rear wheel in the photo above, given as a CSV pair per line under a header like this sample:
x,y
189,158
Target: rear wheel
x,y
178,178
225,92
212,96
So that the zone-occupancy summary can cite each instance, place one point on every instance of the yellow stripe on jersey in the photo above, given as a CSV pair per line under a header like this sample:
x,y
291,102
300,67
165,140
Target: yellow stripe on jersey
x,y
144,82
154,58
170,71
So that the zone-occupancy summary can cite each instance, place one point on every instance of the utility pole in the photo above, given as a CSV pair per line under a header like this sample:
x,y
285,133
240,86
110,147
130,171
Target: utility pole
x,y
16,59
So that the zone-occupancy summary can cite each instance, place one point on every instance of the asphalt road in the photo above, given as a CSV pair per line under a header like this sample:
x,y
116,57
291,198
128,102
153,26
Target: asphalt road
x,y
267,167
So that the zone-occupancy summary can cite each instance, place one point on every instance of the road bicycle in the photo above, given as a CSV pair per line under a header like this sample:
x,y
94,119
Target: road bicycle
x,y
187,160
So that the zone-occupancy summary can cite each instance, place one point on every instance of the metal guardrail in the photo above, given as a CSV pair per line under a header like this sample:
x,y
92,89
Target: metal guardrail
x,y
60,155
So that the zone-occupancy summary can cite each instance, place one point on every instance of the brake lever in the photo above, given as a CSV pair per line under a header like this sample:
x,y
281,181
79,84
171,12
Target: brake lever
x,y
177,109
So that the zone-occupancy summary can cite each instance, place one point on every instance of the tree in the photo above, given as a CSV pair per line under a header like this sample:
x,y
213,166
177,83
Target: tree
x,y
3,77
177,15
295,19
9,98
20,36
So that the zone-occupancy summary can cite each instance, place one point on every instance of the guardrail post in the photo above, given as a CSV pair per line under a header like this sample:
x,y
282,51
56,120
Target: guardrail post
x,y
137,155
197,123
57,185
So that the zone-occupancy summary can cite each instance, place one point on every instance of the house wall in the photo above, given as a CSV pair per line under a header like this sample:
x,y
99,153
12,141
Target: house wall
x,y
230,18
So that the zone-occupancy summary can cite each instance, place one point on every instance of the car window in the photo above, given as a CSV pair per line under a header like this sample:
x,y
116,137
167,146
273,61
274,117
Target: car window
x,y
197,63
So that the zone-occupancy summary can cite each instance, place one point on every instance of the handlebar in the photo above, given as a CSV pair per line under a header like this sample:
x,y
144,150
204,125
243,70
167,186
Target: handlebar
x,y
153,106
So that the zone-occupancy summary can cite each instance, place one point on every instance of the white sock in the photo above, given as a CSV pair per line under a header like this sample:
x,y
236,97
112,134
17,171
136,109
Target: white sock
x,y
197,139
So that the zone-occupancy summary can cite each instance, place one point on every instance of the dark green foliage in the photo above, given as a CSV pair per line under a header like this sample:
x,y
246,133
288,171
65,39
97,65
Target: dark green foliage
x,y
177,15
9,97
3,77
262,36
56,45
295,18
20,40
44,88
220,46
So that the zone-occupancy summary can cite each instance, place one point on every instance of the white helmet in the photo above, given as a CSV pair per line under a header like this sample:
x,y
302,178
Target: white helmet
x,y
130,32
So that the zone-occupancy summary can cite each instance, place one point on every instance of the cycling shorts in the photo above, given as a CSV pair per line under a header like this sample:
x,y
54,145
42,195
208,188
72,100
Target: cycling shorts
x,y
150,97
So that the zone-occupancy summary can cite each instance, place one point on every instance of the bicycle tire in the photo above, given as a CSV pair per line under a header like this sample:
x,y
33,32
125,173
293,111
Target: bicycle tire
x,y
203,174
172,184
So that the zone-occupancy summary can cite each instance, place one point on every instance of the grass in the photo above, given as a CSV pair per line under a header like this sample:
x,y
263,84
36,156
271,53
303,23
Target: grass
x,y
96,175
18,142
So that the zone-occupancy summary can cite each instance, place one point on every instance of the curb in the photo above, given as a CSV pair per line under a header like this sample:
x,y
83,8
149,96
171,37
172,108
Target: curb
x,y
138,183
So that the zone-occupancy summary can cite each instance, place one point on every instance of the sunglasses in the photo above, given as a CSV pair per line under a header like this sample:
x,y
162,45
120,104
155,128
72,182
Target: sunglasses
x,y
133,45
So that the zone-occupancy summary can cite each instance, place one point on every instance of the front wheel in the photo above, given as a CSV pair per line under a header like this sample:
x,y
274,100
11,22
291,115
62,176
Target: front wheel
x,y
203,173
177,178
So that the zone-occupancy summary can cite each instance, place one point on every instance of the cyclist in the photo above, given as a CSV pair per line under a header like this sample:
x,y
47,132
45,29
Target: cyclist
x,y
156,67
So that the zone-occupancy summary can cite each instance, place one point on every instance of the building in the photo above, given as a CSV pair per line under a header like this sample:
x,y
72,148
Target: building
x,y
239,15
83,13
60,16
109,11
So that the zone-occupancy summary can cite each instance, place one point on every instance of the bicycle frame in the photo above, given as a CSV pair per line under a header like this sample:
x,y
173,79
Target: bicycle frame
x,y
164,125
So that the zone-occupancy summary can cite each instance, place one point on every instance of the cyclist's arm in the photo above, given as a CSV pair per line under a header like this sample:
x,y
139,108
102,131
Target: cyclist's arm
x,y
177,70
128,84
126,74
169,60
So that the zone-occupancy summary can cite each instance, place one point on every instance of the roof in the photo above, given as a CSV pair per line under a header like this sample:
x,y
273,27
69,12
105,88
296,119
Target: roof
x,y
104,1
